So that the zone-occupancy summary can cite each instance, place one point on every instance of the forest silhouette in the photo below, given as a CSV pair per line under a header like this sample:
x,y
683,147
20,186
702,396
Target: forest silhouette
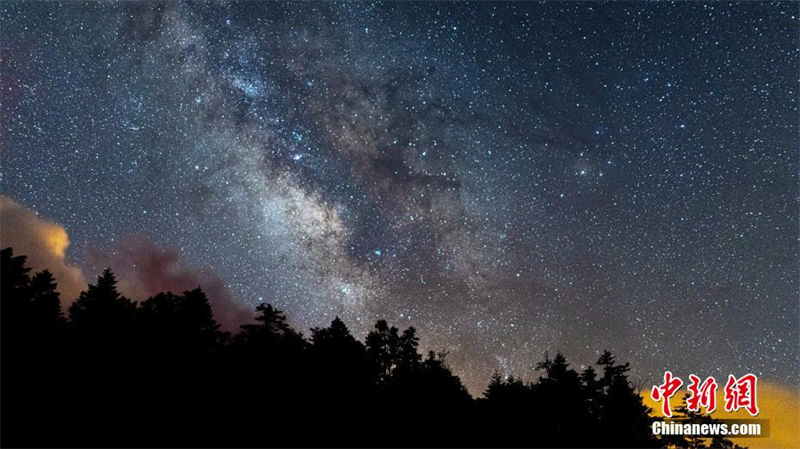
x,y
114,372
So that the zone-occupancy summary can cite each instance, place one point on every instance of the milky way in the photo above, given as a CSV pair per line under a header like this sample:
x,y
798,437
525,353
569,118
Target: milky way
x,y
508,178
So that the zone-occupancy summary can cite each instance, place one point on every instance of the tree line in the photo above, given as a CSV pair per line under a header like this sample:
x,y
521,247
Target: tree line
x,y
114,372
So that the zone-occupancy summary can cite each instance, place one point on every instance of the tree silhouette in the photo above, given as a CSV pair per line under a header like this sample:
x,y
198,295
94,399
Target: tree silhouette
x,y
624,418
184,322
504,391
162,373
336,352
272,329
45,299
16,302
32,346
593,391
14,274
407,356
382,348
567,413
101,308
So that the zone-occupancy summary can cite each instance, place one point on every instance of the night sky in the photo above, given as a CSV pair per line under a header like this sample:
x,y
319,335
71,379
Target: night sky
x,y
508,178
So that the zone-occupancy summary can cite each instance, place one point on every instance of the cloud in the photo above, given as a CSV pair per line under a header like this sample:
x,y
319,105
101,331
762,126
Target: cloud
x,y
142,268
43,242
145,269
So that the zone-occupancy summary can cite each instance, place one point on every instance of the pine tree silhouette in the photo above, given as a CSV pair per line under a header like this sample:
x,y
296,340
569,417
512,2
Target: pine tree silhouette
x,y
161,373
567,410
45,299
101,308
624,418
382,348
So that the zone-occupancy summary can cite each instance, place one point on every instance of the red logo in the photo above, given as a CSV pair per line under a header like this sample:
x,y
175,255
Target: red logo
x,y
704,395
739,393
665,391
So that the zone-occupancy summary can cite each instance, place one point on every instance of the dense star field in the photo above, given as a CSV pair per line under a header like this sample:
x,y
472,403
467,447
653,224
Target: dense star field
x,y
507,178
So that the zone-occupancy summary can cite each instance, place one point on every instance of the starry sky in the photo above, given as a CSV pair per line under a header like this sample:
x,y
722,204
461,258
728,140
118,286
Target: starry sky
x,y
509,178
